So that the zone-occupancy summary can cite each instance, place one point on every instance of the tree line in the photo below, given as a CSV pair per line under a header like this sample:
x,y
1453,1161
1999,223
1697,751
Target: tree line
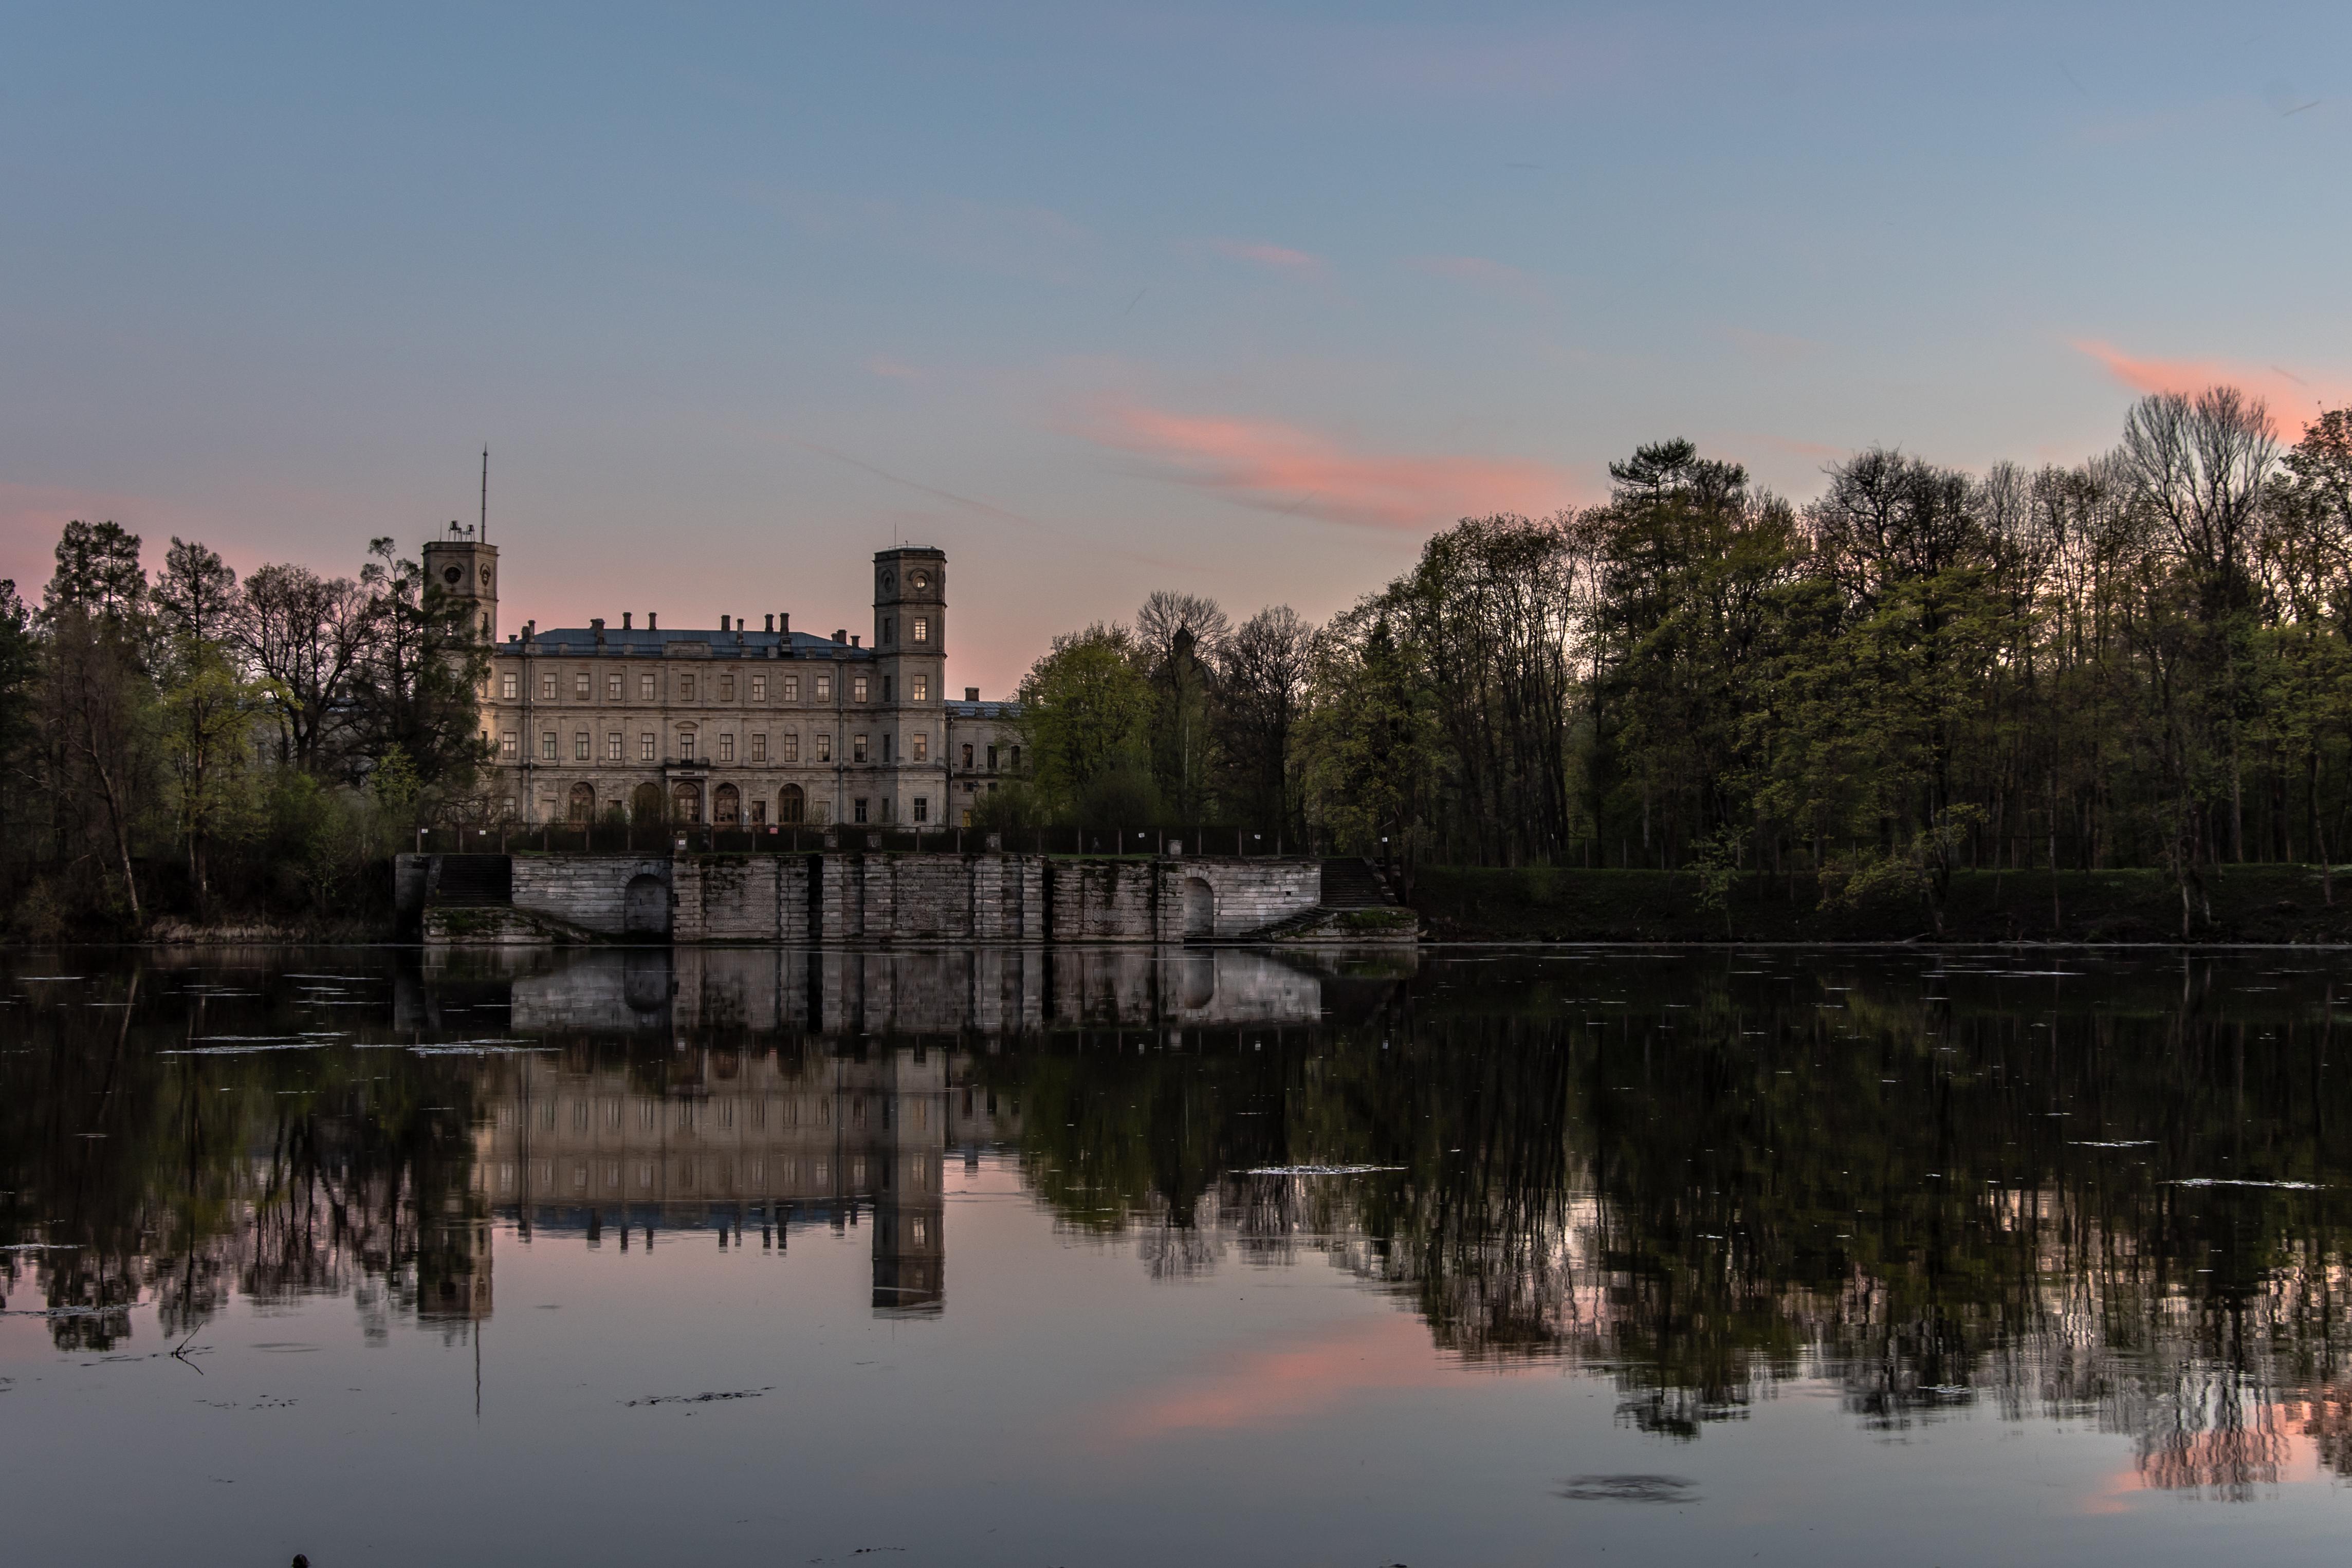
x,y
2140,660
186,744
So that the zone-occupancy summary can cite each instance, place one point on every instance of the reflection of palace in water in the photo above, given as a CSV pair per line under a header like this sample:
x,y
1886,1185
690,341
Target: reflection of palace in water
x,y
727,994
821,1088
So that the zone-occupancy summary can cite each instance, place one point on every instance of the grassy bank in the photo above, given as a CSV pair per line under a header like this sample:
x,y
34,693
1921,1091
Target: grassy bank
x,y
2249,904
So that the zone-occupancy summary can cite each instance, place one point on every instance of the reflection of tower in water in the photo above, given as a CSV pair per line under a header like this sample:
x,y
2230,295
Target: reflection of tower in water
x,y
910,1248
453,1267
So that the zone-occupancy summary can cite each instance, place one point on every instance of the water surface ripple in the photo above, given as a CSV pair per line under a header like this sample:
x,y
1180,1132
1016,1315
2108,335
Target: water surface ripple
x,y
1023,1256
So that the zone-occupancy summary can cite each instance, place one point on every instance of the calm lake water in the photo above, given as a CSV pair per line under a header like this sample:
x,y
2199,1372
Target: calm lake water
x,y
1493,1257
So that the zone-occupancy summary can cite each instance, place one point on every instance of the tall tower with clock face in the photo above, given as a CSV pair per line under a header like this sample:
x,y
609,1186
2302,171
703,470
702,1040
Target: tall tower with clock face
x,y
466,568
911,602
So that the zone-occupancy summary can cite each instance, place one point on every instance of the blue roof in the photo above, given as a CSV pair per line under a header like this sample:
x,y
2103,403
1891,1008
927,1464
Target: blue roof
x,y
567,640
982,710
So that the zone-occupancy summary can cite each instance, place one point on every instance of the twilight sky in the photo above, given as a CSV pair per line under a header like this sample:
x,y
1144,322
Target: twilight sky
x,y
1243,299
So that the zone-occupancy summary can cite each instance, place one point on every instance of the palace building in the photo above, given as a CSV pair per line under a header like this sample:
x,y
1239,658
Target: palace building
x,y
734,728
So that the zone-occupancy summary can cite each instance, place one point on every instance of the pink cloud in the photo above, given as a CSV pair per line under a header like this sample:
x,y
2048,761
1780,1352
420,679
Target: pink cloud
x,y
1478,271
1273,1388
1282,259
1278,467
2293,400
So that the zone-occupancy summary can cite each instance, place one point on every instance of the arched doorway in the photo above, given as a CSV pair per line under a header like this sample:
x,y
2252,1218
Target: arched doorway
x,y
792,805
646,804
583,804
726,805
1200,908
644,907
686,802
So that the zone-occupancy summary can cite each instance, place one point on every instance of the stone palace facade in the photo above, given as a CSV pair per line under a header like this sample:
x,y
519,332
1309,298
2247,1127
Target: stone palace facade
x,y
734,728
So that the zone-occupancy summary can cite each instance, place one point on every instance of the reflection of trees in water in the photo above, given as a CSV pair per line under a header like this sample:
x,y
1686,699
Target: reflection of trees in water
x,y
273,1175
1895,1187
1704,1189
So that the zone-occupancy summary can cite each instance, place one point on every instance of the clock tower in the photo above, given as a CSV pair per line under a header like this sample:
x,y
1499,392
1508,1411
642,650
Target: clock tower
x,y
466,568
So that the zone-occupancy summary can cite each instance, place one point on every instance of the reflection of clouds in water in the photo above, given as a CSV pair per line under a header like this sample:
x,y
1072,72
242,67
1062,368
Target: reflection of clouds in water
x,y
1697,1216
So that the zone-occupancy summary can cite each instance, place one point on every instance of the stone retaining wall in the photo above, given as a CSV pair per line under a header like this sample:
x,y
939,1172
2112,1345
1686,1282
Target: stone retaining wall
x,y
886,899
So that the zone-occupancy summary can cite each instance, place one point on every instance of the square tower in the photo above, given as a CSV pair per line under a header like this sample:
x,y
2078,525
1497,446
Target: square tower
x,y
911,658
461,565
911,602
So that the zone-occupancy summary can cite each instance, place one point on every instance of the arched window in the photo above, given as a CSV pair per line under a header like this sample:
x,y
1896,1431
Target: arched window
x,y
726,805
584,803
686,802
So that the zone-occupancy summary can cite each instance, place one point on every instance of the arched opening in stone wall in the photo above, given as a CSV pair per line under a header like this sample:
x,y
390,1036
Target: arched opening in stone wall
x,y
686,802
644,907
792,805
646,805
1200,908
726,805
583,804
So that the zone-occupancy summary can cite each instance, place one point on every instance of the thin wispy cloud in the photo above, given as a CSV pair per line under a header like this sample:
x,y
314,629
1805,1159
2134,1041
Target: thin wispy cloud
x,y
1282,468
1277,258
1479,273
2294,398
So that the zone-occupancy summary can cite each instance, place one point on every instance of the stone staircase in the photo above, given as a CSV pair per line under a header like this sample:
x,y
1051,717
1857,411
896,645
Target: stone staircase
x,y
473,881
1352,883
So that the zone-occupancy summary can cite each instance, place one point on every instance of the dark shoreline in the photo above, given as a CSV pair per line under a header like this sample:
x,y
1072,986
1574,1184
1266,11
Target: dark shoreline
x,y
2251,906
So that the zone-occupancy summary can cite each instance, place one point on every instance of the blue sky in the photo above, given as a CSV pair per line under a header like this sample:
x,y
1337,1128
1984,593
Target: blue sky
x,y
1243,299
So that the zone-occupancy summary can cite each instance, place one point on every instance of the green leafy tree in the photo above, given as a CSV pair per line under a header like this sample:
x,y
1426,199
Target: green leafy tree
x,y
1086,713
1372,756
413,685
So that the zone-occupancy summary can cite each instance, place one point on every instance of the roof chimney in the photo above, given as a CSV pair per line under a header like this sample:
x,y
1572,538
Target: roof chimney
x,y
725,624
771,622
971,693
625,617
784,622
841,633
650,623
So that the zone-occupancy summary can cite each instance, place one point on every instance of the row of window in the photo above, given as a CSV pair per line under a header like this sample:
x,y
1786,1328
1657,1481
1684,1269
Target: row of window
x,y
720,1174
919,747
649,747
720,688
729,808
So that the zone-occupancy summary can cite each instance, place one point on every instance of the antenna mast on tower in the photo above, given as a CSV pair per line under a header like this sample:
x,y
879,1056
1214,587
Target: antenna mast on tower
x,y
484,533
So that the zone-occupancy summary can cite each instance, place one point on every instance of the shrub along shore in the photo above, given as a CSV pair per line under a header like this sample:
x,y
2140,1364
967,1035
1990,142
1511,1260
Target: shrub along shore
x,y
2249,904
